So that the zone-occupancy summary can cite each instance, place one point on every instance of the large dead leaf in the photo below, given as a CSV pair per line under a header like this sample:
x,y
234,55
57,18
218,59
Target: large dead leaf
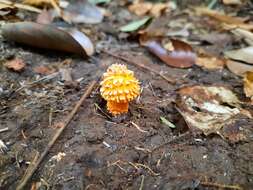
x,y
208,108
244,54
248,85
48,37
238,68
182,55
15,64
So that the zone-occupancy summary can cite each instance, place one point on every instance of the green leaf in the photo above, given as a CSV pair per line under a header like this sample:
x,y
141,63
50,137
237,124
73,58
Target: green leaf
x,y
167,122
135,25
99,1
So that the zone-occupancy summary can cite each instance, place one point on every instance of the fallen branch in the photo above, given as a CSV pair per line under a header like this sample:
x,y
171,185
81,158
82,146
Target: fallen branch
x,y
34,167
170,80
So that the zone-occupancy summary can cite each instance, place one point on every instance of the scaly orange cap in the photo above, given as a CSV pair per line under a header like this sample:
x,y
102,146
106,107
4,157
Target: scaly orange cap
x,y
118,88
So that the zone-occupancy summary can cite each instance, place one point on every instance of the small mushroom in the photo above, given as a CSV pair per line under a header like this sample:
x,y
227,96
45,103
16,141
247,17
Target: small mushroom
x,y
118,88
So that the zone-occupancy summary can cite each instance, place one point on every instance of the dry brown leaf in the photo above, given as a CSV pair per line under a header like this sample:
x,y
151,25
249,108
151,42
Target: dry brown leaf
x,y
231,21
243,54
43,70
182,55
245,34
140,9
15,64
232,2
238,68
153,9
158,8
248,85
210,62
39,3
209,108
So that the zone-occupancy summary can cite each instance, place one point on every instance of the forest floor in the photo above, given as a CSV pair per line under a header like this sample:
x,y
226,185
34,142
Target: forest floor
x,y
133,151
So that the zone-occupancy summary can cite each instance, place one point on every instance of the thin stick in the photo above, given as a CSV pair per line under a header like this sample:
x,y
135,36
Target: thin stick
x,y
27,176
4,129
142,182
221,186
170,80
138,128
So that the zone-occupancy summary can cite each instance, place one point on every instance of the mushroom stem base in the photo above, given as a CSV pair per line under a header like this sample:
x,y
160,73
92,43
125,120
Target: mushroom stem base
x,y
116,108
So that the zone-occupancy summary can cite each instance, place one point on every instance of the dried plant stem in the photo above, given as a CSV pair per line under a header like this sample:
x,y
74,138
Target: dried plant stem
x,y
221,186
170,80
21,6
34,167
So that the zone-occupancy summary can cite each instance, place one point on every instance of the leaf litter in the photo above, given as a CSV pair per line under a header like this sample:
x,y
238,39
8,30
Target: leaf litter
x,y
209,108
199,80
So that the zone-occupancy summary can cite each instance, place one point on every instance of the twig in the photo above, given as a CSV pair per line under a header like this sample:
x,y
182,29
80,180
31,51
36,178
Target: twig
x,y
45,78
136,165
27,176
21,6
221,186
4,129
3,147
142,182
138,128
170,80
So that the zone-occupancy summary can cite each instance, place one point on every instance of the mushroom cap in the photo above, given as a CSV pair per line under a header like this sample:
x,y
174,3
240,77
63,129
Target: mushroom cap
x,y
119,84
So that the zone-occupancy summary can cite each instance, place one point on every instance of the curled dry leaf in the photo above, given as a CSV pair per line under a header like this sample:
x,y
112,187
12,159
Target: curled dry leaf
x,y
48,37
248,85
244,54
181,57
238,68
209,108
15,65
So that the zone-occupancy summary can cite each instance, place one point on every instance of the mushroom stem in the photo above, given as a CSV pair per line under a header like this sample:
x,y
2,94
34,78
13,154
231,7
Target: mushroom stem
x,y
116,108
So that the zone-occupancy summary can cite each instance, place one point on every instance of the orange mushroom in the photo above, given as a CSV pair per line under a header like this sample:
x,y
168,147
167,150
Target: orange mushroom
x,y
118,88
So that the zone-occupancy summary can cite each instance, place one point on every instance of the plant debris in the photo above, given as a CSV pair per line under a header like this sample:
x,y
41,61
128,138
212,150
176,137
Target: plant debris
x,y
248,85
208,108
16,64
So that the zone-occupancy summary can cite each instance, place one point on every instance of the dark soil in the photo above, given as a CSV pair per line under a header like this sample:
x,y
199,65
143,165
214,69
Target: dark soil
x,y
103,152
